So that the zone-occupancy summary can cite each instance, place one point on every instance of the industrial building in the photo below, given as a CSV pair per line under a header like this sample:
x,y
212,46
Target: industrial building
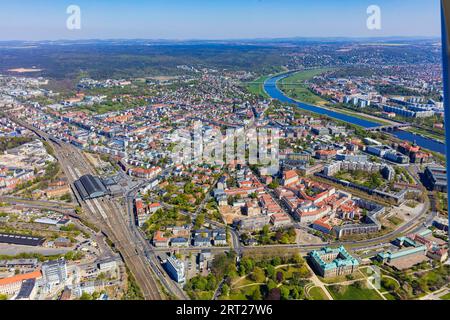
x,y
18,239
90,187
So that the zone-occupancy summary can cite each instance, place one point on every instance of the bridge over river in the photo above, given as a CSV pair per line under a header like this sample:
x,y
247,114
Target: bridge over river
x,y
391,127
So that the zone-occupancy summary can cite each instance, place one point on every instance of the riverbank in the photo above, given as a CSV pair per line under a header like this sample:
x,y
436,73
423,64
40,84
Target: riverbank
x,y
271,89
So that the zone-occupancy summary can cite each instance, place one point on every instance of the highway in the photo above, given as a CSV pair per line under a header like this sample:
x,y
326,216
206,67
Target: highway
x,y
105,213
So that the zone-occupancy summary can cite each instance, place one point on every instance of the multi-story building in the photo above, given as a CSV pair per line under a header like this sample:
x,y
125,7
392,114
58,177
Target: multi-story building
x,y
159,240
280,220
329,262
254,223
354,229
175,269
11,286
290,177
302,156
352,157
436,178
54,272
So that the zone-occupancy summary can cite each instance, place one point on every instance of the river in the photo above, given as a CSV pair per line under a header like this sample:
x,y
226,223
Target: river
x,y
271,88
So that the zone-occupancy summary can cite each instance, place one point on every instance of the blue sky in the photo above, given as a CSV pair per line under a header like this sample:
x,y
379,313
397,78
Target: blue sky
x,y
215,19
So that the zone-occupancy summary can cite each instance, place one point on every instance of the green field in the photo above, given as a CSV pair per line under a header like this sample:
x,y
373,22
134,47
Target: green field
x,y
201,295
304,75
370,180
427,134
257,87
389,296
244,293
361,116
294,86
353,292
445,297
317,293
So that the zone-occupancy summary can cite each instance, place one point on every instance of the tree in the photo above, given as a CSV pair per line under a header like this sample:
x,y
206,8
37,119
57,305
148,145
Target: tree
x,y
350,277
271,284
280,276
360,284
256,295
284,293
225,290
295,294
223,264
96,295
241,270
274,184
86,296
276,261
297,259
266,230
200,221
211,282
258,275
270,271
339,289
274,294
389,284
244,237
248,264
278,235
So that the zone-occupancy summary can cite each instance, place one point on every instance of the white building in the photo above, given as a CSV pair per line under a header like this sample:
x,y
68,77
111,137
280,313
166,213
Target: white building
x,y
54,273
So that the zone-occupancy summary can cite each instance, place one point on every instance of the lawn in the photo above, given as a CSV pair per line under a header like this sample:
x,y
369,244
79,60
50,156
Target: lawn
x,y
389,296
103,108
368,271
361,116
360,177
352,292
294,86
338,279
445,297
317,293
242,293
304,75
428,134
395,220
202,295
242,282
290,270
257,87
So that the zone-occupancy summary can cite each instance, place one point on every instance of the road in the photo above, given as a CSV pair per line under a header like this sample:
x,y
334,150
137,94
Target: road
x,y
44,205
105,213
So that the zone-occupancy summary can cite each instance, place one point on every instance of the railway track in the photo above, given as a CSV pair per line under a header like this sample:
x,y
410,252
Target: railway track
x,y
105,214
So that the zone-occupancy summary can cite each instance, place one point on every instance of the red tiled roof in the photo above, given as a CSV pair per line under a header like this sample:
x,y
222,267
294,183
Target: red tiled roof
x,y
20,277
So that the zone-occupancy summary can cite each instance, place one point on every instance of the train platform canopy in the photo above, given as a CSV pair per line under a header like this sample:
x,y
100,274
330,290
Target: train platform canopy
x,y
90,187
